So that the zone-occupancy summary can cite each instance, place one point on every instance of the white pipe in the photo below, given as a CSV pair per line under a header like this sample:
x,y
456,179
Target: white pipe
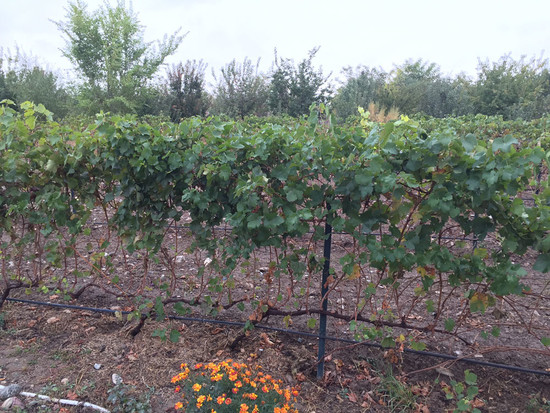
x,y
62,401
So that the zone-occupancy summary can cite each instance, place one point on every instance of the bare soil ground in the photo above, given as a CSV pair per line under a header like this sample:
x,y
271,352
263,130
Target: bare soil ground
x,y
40,347
72,354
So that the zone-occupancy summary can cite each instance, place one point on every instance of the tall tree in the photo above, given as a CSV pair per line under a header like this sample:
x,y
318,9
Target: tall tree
x,y
420,87
363,86
513,88
23,79
293,89
187,90
241,90
108,50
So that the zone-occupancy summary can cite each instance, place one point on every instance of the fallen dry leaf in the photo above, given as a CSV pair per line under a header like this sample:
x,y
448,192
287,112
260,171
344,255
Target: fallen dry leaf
x,y
444,371
266,340
52,320
301,377
421,408
71,395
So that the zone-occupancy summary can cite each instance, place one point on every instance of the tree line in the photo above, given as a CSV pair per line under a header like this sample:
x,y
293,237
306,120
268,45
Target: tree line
x,y
119,72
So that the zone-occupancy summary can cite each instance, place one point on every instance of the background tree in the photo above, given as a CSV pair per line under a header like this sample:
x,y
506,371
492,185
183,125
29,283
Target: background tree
x,y
363,86
512,88
293,89
241,90
188,96
420,87
108,51
23,79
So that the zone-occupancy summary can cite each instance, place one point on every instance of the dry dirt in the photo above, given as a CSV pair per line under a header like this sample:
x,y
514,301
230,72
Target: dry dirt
x,y
41,346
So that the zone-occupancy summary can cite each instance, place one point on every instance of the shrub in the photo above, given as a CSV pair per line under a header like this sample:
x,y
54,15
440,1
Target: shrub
x,y
228,385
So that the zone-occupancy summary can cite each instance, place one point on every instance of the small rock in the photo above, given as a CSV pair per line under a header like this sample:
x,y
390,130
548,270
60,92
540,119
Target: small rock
x,y
179,259
65,381
116,379
13,402
97,366
9,391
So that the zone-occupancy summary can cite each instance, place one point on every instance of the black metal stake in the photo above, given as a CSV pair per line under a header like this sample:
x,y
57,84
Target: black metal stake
x,y
324,302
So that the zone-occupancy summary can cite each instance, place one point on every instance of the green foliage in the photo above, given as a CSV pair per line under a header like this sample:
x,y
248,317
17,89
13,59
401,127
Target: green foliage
x,y
463,393
419,87
361,87
125,398
293,90
395,188
241,90
22,79
538,404
512,88
397,394
107,49
187,90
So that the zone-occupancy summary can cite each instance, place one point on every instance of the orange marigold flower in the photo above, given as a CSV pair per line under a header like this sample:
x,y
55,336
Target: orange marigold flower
x,y
244,408
208,398
235,390
220,399
196,387
255,410
228,401
198,366
200,400
238,383
265,389
177,389
179,405
216,377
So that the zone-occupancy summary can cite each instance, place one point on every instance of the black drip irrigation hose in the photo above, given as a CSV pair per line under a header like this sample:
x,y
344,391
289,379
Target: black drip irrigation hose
x,y
298,333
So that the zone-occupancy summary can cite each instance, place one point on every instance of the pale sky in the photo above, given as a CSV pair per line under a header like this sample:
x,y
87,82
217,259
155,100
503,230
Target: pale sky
x,y
453,34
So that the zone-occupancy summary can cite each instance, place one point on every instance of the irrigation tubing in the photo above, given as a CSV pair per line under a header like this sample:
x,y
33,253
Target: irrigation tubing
x,y
229,228
294,332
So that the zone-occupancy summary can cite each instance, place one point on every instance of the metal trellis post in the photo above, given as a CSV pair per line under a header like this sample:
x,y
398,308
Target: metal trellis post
x,y
324,302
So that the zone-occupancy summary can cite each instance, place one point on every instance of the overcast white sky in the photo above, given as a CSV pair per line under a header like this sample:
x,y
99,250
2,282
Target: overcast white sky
x,y
453,34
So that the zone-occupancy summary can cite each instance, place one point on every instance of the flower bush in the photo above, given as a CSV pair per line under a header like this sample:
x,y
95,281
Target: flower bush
x,y
231,387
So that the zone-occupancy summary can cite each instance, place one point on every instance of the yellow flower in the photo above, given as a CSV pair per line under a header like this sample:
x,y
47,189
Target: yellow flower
x,y
178,405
